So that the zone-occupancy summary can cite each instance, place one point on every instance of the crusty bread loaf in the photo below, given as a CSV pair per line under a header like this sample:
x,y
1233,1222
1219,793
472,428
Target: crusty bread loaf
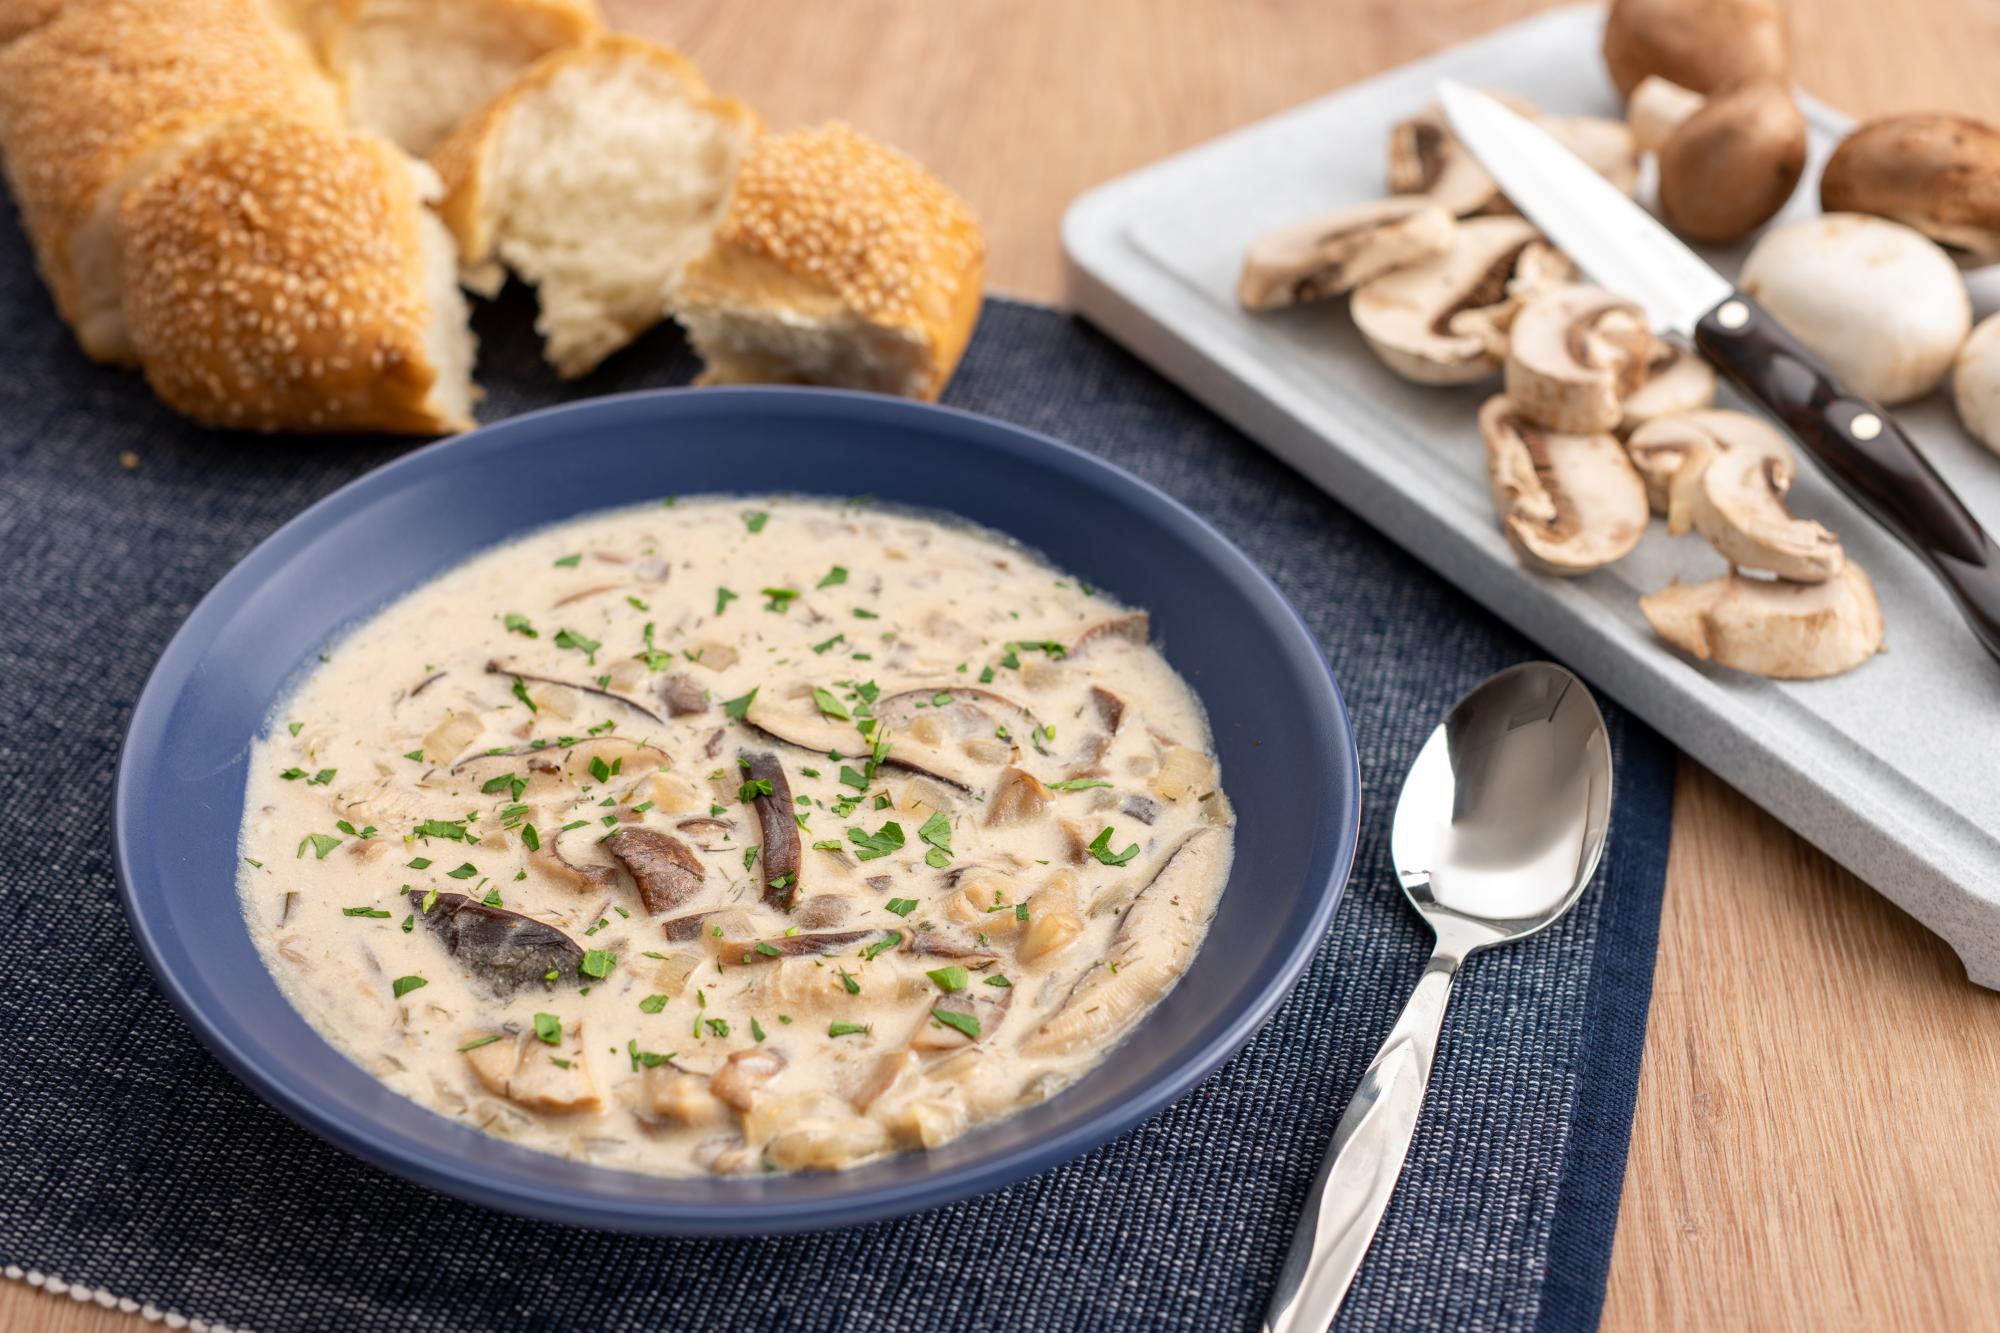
x,y
840,262
411,70
595,177
18,18
286,276
98,96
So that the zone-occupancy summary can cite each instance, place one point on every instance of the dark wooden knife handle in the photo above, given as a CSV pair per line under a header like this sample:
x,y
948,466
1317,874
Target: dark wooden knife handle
x,y
1860,446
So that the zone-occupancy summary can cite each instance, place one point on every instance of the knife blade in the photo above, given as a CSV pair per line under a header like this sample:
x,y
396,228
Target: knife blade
x,y
1625,249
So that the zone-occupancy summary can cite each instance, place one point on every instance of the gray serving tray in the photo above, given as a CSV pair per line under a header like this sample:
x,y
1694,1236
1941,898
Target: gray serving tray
x,y
1889,769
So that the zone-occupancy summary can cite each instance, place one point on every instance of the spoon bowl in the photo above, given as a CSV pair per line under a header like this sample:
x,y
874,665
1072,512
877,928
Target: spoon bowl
x,y
1498,830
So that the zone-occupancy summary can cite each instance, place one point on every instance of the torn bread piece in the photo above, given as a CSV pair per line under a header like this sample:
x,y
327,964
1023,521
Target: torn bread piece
x,y
596,177
411,70
283,276
840,262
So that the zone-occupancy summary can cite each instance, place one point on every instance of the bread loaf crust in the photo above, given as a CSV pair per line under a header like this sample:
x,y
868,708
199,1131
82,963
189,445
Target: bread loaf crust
x,y
831,230
277,280
104,92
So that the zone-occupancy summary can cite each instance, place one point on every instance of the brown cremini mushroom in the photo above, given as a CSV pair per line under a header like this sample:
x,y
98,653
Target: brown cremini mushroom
x,y
1769,627
775,813
666,870
1728,160
1573,355
1939,174
1568,503
1699,44
1337,252
1444,321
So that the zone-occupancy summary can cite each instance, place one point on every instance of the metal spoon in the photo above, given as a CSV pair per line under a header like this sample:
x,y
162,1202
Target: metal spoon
x,y
1498,829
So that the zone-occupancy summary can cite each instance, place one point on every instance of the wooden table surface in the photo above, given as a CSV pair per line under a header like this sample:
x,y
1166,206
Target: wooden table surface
x,y
1818,1134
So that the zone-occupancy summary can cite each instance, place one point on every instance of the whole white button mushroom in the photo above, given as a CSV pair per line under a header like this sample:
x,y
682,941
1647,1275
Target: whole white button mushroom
x,y
1878,302
1975,383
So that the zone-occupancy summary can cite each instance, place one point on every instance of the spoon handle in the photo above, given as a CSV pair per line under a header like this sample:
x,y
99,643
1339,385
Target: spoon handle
x,y
1362,1164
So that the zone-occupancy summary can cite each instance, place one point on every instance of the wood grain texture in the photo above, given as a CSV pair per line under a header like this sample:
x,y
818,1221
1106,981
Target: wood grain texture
x,y
1816,1145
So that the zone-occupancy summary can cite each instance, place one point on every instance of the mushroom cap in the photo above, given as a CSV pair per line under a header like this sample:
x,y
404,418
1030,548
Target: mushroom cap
x,y
1738,504
1939,174
1443,321
1670,453
1336,252
1878,302
1699,44
1790,631
1730,166
1975,383
1572,354
1677,381
1568,503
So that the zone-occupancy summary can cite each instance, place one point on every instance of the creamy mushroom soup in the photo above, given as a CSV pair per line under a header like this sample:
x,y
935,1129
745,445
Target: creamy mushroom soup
x,y
736,835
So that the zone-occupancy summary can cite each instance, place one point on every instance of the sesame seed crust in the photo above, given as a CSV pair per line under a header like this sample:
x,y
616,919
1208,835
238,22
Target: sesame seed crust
x,y
846,217
94,90
275,280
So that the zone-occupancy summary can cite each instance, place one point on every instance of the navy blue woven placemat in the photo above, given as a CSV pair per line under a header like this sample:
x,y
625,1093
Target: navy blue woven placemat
x,y
135,1165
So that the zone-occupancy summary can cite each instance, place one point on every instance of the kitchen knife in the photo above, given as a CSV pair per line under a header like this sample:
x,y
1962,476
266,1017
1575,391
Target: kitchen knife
x,y
1624,248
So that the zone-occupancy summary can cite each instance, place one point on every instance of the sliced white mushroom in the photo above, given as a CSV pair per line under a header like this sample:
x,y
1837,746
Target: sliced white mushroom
x,y
1738,504
532,1073
1445,321
1881,304
1769,627
1975,383
1568,503
1337,252
1426,159
1156,938
1677,381
1671,452
1607,146
1572,356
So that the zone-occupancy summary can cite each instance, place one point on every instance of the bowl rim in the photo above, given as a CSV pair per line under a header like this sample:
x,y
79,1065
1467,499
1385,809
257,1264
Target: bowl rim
x,y
147,727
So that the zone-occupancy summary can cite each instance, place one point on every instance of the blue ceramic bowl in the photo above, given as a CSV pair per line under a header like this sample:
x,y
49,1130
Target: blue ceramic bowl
x,y
1281,730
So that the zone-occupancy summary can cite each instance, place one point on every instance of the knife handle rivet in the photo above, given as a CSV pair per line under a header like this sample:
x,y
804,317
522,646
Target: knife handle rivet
x,y
1865,427
1732,314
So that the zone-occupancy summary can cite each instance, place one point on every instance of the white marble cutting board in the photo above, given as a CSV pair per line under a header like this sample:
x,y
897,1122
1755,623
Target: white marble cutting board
x,y
1892,769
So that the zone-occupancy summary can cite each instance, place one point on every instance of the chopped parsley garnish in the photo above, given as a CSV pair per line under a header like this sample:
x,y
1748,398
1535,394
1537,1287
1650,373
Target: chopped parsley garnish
x,y
740,706
937,832
419,863
492,898
517,623
466,870
549,1028
998,980
409,923
569,562
588,647
1100,847
828,645
847,980
321,843
831,706
521,693
430,901
646,1058
723,597
834,577
597,963
902,906
364,833
839,1029
779,598
477,1042
717,1026
453,829
414,756
1078,784
850,778
652,1004
950,980
952,1018
755,520
829,845
768,949
294,727
752,789
863,613
986,675
756,1029
363,911
600,770
506,782
868,846
883,945
635,603
292,774
531,839
402,986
